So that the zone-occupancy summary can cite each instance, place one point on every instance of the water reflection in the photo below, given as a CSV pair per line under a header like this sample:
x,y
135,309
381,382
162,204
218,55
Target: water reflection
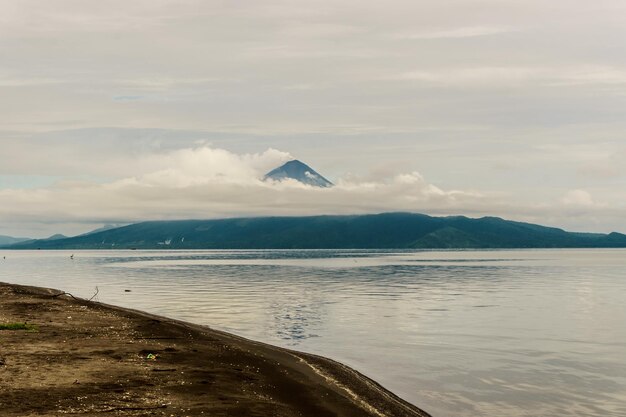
x,y
294,320
460,333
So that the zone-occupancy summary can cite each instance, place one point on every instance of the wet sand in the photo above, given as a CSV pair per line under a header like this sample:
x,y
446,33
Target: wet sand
x,y
92,359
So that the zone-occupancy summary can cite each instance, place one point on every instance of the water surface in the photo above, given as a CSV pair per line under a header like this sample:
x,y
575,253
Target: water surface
x,y
458,333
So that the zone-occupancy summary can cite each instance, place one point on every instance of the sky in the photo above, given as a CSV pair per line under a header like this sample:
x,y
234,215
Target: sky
x,y
114,112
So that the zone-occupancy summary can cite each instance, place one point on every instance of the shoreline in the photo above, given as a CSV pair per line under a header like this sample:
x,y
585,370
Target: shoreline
x,y
91,358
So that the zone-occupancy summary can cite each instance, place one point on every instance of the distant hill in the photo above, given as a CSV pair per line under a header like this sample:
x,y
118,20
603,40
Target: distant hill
x,y
56,237
9,240
298,171
27,241
388,230
101,229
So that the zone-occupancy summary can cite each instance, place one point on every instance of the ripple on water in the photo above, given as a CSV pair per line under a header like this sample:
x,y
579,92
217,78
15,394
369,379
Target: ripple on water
x,y
460,333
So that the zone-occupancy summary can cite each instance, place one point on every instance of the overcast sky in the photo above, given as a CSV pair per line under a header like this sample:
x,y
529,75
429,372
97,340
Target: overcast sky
x,y
119,111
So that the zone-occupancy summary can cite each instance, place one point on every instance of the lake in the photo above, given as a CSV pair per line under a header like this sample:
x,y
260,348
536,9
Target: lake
x,y
458,333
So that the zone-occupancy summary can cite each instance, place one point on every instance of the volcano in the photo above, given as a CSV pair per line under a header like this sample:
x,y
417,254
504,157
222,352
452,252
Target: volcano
x,y
298,171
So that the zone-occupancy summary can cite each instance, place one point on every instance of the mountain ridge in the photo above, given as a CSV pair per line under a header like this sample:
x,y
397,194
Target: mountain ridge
x,y
369,231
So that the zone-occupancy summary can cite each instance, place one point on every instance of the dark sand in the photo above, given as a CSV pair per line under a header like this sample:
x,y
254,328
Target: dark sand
x,y
89,359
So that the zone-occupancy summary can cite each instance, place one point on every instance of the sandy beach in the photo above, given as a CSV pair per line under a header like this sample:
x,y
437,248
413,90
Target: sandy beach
x,y
86,358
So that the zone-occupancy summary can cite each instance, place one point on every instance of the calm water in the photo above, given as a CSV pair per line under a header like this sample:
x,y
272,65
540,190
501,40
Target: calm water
x,y
468,333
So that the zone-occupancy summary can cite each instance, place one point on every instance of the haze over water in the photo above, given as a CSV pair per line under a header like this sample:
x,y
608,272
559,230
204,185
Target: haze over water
x,y
458,333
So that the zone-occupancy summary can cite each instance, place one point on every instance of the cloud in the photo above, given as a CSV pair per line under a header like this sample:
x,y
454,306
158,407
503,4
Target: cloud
x,y
127,98
580,198
475,74
455,33
18,81
319,30
593,74
204,182
496,76
205,166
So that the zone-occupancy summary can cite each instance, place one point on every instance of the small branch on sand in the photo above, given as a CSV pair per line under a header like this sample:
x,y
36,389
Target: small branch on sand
x,y
94,295
64,293
76,298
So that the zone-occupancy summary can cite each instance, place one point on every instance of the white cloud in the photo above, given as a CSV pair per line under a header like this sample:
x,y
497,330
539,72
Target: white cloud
x,y
579,198
204,165
205,182
497,76
17,81
482,76
319,30
593,74
460,32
